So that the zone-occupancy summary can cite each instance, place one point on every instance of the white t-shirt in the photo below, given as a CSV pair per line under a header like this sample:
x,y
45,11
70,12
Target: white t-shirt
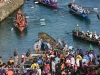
x,y
35,46
52,55
53,65
68,61
72,61
23,56
48,44
70,47
77,62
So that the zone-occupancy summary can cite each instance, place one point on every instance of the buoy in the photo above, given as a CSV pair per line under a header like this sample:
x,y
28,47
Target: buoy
x,y
42,23
96,10
36,2
32,7
27,16
42,19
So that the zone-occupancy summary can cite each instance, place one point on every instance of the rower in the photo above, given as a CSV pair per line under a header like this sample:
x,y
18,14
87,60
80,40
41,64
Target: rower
x,y
84,12
77,29
75,7
90,35
99,40
87,34
88,12
19,14
83,33
72,6
95,35
81,11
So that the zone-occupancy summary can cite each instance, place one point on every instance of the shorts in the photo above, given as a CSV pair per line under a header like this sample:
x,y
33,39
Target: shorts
x,y
53,70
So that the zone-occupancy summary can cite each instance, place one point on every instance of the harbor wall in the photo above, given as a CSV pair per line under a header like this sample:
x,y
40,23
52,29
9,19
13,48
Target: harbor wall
x,y
9,8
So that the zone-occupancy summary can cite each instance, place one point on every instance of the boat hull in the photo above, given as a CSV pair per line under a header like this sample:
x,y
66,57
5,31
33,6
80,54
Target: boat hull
x,y
46,37
21,29
53,4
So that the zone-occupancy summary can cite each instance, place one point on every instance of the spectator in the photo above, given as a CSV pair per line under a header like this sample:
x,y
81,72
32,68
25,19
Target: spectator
x,y
53,67
35,65
1,60
11,61
57,59
9,72
16,56
28,53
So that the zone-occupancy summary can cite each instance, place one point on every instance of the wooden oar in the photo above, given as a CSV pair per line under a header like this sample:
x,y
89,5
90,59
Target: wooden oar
x,y
72,32
81,28
68,32
96,10
98,16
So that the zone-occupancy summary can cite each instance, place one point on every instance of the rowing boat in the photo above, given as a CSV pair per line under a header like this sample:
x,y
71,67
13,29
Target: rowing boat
x,y
78,10
50,3
20,22
47,38
83,37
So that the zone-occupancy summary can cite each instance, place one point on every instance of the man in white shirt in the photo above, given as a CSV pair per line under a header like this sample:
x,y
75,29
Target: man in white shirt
x,y
70,47
72,60
91,56
90,35
59,41
66,46
53,67
48,44
77,62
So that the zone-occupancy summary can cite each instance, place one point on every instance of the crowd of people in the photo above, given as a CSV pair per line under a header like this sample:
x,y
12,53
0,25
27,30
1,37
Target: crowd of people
x,y
65,61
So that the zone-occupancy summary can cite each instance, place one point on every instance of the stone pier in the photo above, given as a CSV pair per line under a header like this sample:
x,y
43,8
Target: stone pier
x,y
9,8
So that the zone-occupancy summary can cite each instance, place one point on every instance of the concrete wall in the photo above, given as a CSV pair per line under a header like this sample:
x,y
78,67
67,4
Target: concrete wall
x,y
9,8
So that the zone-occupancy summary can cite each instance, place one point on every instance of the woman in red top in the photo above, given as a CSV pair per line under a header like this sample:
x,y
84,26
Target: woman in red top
x,y
90,72
46,68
